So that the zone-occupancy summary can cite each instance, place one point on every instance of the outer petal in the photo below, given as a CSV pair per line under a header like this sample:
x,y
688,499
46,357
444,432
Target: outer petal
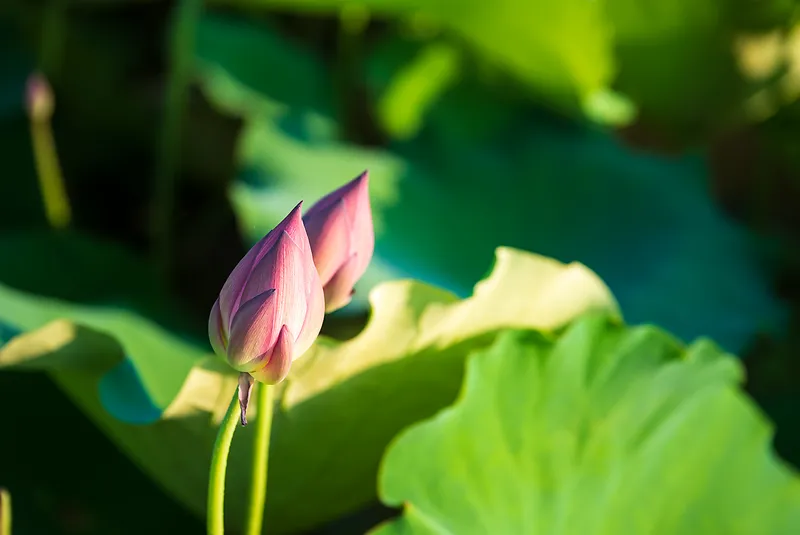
x,y
230,296
339,290
254,332
348,190
363,230
315,314
217,333
283,269
279,363
329,235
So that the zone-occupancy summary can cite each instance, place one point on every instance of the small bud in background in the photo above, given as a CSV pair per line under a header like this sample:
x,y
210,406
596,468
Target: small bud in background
x,y
39,98
342,239
40,104
271,308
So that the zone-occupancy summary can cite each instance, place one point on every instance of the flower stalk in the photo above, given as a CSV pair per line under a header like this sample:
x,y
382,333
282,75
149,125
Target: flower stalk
x,y
258,484
40,104
215,516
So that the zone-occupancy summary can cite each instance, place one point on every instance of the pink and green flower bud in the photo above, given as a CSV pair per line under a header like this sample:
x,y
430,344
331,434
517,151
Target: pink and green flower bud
x,y
342,239
271,308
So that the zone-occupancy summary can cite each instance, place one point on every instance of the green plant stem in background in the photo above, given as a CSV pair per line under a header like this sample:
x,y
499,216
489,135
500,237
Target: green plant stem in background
x,y
181,61
5,512
51,38
51,181
219,464
258,486
40,105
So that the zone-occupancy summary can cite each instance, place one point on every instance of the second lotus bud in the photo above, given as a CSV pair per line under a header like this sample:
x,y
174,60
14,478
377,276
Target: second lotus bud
x,y
342,239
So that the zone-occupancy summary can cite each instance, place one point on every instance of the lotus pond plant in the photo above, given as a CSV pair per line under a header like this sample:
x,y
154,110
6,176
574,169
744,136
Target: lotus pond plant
x,y
269,312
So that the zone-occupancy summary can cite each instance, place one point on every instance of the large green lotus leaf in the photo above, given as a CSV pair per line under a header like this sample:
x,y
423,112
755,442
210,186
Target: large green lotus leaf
x,y
416,87
80,337
74,267
563,50
677,61
78,269
342,404
239,45
606,430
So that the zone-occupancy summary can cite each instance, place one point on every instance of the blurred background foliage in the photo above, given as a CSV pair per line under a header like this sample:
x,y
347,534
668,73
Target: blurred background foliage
x,y
655,142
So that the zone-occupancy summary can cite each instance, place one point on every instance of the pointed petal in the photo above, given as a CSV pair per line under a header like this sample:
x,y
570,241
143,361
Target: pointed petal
x,y
245,389
329,235
280,362
339,290
349,189
363,239
293,226
362,230
253,332
231,294
216,331
357,196
283,269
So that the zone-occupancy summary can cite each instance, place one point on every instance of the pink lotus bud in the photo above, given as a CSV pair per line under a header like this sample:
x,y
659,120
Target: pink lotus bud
x,y
342,239
271,308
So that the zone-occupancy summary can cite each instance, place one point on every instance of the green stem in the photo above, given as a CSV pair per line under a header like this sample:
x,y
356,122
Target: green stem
x,y
181,61
53,30
51,181
5,512
219,464
258,488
